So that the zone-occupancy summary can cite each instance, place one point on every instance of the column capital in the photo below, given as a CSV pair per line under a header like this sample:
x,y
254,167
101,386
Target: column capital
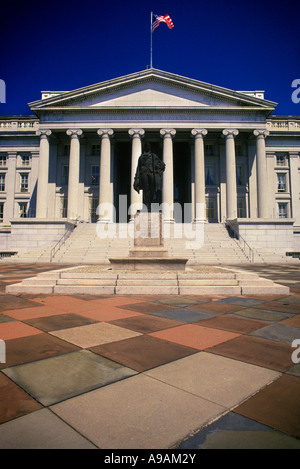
x,y
230,133
136,132
44,133
74,133
105,133
260,133
167,132
199,132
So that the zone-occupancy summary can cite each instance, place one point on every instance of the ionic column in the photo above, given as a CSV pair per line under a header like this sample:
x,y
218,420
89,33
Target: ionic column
x,y
105,193
136,200
262,181
199,174
168,179
231,196
43,174
74,165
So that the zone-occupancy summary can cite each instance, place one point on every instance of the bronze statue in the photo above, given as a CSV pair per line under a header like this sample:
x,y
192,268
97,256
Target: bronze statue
x,y
148,176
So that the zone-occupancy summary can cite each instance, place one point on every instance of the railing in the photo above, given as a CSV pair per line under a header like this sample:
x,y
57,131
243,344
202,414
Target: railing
x,y
19,124
63,239
283,124
247,250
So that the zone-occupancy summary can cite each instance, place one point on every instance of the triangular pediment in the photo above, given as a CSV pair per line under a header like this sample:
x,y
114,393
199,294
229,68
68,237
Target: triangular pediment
x,y
150,89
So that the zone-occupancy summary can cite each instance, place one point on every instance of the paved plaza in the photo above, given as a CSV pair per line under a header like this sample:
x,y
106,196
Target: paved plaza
x,y
143,372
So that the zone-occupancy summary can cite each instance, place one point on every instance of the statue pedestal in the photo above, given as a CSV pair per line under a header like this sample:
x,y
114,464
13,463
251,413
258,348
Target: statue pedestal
x,y
148,252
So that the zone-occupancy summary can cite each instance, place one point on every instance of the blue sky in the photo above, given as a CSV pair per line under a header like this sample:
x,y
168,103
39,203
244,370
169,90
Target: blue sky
x,y
64,45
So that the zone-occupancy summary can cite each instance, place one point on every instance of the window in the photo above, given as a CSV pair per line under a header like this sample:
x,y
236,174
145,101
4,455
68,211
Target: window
x,y
210,208
24,182
239,175
23,209
66,150
209,175
63,207
281,160
209,150
241,207
95,174
239,150
95,149
2,182
1,212
3,160
282,210
65,175
93,209
281,182
25,160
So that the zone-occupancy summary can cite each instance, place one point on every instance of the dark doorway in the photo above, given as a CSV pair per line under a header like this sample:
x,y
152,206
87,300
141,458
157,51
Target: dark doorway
x,y
122,180
182,182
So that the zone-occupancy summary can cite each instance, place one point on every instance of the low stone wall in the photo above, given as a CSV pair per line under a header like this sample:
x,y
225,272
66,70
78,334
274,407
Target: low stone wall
x,y
31,233
267,235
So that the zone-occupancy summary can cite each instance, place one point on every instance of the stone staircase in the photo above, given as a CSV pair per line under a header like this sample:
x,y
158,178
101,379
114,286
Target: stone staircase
x,y
84,246
80,281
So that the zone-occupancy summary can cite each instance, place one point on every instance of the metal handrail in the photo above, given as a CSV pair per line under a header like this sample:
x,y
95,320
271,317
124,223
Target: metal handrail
x,y
243,243
63,239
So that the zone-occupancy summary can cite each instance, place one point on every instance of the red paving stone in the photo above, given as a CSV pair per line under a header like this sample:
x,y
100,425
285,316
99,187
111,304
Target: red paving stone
x,y
161,341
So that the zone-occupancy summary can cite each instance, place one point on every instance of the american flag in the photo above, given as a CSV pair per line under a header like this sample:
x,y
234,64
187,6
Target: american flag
x,y
162,19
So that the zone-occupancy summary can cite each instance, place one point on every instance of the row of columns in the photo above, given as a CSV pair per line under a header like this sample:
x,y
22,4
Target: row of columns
x,y
105,194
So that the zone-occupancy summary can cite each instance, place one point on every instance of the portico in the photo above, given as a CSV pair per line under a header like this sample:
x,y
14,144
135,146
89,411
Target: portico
x,y
228,160
203,177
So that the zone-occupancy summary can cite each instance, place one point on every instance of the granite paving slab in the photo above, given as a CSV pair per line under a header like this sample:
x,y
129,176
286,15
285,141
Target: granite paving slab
x,y
289,300
32,348
143,352
30,313
277,406
257,351
178,301
151,414
58,378
237,432
262,314
14,401
41,430
60,321
146,323
9,302
186,315
281,307
233,324
94,334
242,301
5,318
195,336
295,370
278,332
15,329
217,307
145,307
218,379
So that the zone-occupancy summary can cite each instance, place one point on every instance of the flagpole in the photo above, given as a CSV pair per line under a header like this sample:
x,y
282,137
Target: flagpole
x,y
151,39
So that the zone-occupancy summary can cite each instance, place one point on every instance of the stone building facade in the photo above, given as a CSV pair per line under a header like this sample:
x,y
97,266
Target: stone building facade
x,y
228,159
